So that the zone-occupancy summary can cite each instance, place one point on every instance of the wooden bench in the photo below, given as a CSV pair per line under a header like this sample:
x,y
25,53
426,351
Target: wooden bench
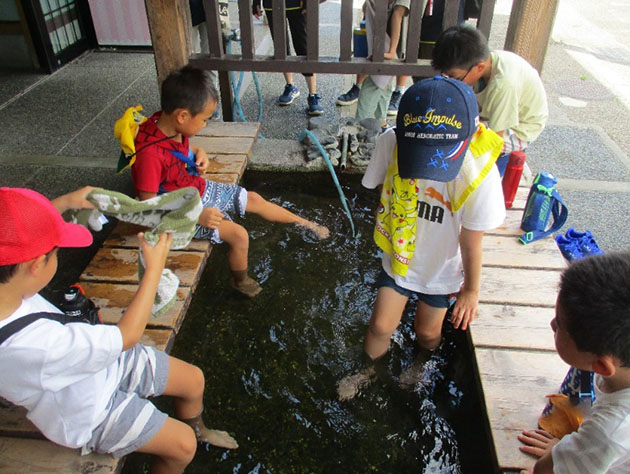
x,y
515,353
110,279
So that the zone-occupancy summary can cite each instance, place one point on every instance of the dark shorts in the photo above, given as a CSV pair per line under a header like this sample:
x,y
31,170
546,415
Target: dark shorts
x,y
297,23
436,301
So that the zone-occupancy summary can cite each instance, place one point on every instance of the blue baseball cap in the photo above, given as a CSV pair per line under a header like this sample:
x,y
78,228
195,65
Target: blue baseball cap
x,y
436,120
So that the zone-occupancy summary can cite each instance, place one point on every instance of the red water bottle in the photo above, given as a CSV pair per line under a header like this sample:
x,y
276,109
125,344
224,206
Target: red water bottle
x,y
512,176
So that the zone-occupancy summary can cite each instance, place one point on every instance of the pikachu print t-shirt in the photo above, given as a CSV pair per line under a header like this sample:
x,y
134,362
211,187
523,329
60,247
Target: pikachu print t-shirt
x,y
436,266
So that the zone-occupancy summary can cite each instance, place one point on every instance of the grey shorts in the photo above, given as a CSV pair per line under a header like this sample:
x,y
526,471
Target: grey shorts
x,y
132,420
436,301
227,198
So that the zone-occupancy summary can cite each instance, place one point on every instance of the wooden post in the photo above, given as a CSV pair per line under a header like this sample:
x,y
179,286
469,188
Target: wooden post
x,y
170,27
531,22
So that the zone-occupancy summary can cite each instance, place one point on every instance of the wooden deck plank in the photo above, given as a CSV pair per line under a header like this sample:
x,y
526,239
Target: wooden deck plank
x,y
515,384
43,457
229,178
112,299
511,225
161,339
230,129
516,327
227,164
507,251
125,235
13,422
121,266
520,286
224,145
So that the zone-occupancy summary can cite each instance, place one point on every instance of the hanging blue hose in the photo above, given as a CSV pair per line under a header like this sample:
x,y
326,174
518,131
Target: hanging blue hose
x,y
342,196
237,110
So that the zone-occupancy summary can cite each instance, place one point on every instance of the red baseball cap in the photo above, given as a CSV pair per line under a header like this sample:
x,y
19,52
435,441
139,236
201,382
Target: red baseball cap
x,y
31,226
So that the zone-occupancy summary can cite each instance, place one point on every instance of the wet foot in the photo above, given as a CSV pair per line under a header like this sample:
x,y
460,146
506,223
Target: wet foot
x,y
349,386
320,231
412,375
248,286
220,439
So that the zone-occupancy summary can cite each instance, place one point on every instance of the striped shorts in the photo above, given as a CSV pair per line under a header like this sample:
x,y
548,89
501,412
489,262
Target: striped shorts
x,y
227,198
132,420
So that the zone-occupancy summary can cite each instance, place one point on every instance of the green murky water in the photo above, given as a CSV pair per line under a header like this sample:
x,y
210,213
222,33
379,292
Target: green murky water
x,y
272,363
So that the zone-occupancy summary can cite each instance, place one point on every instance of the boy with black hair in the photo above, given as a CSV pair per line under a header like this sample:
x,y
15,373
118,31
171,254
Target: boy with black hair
x,y
165,161
87,386
592,333
440,191
511,96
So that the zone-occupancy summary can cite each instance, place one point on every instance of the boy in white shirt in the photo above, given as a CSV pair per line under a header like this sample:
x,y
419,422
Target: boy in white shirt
x,y
592,332
87,386
438,198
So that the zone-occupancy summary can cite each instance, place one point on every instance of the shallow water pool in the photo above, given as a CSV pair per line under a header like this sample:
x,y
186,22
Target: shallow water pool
x,y
272,363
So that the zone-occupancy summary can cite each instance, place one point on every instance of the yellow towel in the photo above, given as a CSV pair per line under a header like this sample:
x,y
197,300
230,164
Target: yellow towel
x,y
126,129
396,219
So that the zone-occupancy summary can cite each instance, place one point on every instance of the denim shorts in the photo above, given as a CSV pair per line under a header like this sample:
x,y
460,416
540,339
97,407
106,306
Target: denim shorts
x,y
436,301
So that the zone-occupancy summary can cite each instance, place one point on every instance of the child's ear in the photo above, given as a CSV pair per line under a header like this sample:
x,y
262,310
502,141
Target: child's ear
x,y
604,366
35,265
181,115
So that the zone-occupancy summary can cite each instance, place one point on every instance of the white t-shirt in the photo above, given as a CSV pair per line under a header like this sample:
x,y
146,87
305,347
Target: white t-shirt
x,y
64,375
602,442
514,97
436,266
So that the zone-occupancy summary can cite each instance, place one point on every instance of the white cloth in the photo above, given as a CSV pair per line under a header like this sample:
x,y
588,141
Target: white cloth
x,y
602,442
64,375
436,266
514,97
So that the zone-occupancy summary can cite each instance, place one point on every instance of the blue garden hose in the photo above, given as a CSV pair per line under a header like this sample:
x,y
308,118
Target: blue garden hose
x,y
237,110
342,196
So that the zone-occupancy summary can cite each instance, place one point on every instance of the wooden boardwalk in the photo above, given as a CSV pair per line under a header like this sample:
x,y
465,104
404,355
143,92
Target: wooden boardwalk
x,y
513,342
110,280
514,348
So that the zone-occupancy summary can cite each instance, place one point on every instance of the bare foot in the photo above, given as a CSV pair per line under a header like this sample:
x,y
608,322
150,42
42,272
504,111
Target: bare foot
x,y
248,286
220,439
349,386
320,231
412,375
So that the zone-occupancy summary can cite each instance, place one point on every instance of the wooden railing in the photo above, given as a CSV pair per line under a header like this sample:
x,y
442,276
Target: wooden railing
x,y
345,63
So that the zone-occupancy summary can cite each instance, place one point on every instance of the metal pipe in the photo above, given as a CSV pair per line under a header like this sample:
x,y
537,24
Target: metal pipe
x,y
344,152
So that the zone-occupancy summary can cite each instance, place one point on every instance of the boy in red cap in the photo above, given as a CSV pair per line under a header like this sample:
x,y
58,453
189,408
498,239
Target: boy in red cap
x,y
82,385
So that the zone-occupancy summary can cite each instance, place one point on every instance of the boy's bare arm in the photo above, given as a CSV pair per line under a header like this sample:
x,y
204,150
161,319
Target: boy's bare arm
x,y
465,309
74,200
134,320
395,24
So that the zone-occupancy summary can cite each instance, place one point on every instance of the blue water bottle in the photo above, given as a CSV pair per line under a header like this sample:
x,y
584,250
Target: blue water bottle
x,y
359,40
543,201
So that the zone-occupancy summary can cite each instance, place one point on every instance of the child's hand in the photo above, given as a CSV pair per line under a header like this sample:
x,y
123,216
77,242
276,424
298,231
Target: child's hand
x,y
537,442
211,217
74,200
202,161
155,256
465,309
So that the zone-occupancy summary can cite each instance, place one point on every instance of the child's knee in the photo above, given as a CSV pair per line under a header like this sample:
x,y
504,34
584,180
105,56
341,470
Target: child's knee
x,y
254,199
236,236
382,327
185,447
197,380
